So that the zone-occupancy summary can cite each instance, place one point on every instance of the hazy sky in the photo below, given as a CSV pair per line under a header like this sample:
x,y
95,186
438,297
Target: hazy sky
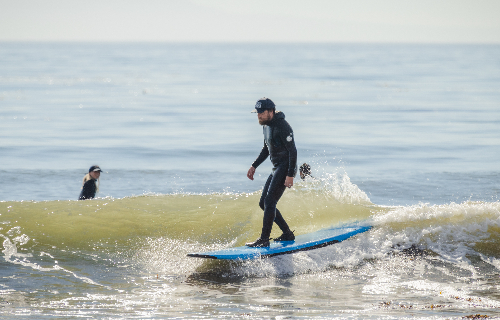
x,y
462,21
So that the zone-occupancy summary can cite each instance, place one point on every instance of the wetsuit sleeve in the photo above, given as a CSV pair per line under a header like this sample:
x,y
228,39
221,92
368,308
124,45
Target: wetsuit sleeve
x,y
288,140
88,190
264,153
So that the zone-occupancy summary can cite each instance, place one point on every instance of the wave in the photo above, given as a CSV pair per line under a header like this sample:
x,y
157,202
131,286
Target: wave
x,y
155,232
454,231
312,204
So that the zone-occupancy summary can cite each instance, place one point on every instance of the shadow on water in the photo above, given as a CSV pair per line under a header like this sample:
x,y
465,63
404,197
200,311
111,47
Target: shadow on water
x,y
217,272
236,272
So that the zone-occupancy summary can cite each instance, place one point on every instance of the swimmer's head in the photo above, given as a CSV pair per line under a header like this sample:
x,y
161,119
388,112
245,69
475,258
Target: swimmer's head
x,y
94,169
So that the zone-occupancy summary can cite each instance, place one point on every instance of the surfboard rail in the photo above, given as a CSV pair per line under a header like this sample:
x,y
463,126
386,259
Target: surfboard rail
x,y
305,242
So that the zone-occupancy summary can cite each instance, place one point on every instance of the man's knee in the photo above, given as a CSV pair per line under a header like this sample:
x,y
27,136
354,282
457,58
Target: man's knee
x,y
269,201
261,204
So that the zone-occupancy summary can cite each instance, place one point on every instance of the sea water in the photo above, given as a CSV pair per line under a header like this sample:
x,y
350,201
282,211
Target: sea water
x,y
406,136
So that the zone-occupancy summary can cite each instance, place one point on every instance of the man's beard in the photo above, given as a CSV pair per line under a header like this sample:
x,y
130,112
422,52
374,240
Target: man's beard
x,y
264,122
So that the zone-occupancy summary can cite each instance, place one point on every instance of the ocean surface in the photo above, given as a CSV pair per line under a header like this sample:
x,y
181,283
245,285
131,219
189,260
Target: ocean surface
x,y
403,137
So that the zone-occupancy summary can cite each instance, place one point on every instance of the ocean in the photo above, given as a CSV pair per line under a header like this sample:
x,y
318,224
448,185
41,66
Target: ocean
x,y
405,137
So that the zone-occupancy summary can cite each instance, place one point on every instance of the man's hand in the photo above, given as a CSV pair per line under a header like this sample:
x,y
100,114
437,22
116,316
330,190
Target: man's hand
x,y
250,173
289,182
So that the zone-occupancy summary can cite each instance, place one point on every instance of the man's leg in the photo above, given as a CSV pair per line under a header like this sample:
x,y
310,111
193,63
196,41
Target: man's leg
x,y
273,190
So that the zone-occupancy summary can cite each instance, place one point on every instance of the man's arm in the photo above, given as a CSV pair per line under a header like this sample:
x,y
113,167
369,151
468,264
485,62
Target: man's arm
x,y
288,139
264,153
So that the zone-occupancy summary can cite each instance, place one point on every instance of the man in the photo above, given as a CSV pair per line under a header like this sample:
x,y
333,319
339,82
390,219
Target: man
x,y
279,144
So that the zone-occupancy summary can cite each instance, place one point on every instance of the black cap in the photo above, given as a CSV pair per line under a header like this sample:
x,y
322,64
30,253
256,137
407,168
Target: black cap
x,y
264,104
95,168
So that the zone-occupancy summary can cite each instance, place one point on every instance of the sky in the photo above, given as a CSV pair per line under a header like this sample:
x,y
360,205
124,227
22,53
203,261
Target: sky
x,y
371,21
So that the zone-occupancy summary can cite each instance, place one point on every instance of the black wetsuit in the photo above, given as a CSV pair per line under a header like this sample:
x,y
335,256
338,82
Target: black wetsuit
x,y
89,190
279,143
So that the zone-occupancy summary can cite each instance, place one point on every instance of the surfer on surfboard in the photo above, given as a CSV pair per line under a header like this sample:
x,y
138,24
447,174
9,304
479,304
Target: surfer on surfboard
x,y
279,144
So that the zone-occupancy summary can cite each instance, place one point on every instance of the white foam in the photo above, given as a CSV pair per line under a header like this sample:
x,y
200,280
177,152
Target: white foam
x,y
450,231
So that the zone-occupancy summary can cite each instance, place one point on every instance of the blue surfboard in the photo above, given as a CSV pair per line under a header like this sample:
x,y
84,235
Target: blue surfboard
x,y
309,241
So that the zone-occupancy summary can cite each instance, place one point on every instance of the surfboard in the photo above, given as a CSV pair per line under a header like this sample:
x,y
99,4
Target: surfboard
x,y
309,241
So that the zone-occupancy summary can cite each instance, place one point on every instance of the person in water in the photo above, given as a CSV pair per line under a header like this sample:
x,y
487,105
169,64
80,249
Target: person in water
x,y
90,183
279,144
